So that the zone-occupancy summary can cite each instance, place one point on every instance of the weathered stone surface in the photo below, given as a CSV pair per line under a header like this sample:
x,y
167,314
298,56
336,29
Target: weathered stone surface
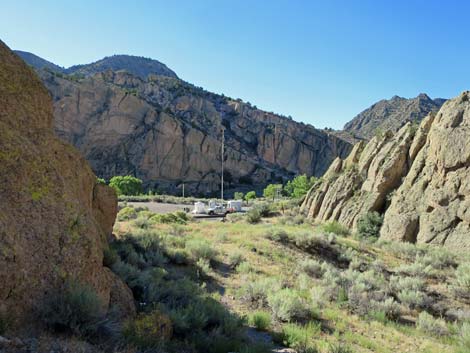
x,y
392,114
362,182
166,131
432,205
54,219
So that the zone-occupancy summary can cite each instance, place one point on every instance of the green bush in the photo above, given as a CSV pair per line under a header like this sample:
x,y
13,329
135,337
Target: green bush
x,y
288,305
272,191
148,330
339,348
235,259
260,319
126,185
428,324
250,195
256,291
368,226
413,299
253,216
238,196
299,186
300,337
335,228
200,249
245,267
75,308
178,217
461,284
464,337
312,268
126,214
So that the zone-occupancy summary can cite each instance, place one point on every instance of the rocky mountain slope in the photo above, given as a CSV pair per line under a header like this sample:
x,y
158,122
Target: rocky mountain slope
x,y
391,115
166,131
55,218
423,171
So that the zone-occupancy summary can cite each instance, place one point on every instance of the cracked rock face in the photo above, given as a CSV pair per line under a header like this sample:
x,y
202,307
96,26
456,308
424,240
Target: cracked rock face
x,y
166,131
54,219
424,171
433,203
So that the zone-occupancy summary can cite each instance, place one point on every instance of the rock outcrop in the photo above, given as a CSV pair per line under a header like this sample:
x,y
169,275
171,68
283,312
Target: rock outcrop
x,y
166,132
54,218
418,178
433,203
392,114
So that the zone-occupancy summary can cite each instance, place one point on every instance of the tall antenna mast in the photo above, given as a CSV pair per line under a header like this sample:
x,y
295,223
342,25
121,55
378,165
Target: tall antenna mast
x,y
222,177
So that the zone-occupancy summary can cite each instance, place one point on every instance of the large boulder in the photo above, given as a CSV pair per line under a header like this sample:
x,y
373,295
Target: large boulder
x,y
54,218
433,203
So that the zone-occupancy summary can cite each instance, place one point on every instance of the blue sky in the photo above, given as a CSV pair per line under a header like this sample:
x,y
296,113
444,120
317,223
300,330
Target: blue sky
x,y
321,62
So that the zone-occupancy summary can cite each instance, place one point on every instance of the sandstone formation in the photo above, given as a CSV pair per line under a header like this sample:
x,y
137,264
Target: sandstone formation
x,y
391,115
418,178
54,218
166,131
433,203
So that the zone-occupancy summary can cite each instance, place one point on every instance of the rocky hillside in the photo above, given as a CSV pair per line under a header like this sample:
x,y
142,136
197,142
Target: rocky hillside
x,y
166,131
391,115
55,218
417,178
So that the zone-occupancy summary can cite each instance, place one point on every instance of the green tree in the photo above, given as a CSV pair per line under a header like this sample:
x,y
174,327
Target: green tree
x,y
299,186
250,195
126,185
272,190
238,196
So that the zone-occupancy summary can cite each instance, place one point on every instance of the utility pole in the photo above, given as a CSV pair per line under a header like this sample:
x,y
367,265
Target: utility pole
x,y
183,190
222,177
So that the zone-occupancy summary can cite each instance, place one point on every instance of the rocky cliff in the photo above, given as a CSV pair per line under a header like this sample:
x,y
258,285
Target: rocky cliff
x,y
391,115
54,218
417,177
166,131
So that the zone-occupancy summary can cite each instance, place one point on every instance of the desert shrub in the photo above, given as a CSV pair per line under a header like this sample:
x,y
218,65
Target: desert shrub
x,y
464,337
413,299
142,222
204,267
308,240
335,228
277,234
416,269
264,209
428,324
437,258
110,256
339,348
312,268
461,283
126,214
235,217
368,226
235,259
319,297
257,290
178,217
200,249
245,267
148,330
75,308
260,319
253,216
389,307
400,283
300,337
288,304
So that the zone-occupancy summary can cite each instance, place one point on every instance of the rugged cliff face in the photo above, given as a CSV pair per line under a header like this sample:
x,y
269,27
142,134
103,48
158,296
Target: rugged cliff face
x,y
392,114
55,219
433,203
423,171
130,115
166,132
